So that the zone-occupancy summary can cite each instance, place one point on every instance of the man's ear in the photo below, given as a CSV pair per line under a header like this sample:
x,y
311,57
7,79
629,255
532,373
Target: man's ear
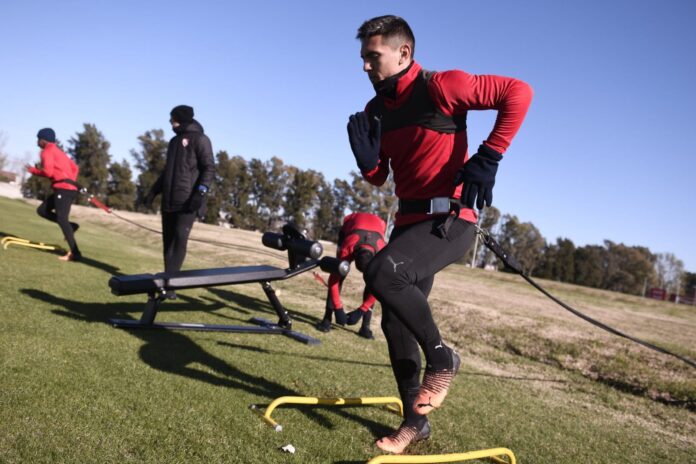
x,y
404,54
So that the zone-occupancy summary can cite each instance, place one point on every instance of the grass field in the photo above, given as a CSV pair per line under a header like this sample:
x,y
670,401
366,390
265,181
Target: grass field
x,y
534,379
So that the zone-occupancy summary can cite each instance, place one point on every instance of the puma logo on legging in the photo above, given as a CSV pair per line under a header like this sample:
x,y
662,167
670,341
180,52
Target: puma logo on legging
x,y
391,260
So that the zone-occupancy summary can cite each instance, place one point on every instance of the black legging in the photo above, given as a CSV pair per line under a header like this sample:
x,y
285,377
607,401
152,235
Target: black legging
x,y
401,277
56,208
176,227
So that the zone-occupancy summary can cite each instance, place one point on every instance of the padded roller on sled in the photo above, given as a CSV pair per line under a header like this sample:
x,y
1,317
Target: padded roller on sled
x,y
298,246
334,266
308,248
273,240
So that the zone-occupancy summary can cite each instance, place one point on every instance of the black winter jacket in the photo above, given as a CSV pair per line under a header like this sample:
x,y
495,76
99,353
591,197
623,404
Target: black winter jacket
x,y
189,164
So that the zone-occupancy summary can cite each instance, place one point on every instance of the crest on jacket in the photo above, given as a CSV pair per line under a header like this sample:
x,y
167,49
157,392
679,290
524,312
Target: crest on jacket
x,y
185,142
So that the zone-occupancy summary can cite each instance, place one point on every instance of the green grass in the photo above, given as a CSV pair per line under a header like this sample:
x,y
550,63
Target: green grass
x,y
74,390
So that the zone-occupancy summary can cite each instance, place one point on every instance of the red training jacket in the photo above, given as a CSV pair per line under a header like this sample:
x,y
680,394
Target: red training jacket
x,y
56,165
424,161
349,246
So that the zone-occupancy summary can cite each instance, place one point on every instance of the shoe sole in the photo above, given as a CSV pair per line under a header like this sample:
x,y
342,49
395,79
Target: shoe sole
x,y
420,436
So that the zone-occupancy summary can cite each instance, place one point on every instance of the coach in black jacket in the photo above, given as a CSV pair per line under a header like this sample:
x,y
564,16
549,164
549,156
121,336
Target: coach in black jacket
x,y
184,184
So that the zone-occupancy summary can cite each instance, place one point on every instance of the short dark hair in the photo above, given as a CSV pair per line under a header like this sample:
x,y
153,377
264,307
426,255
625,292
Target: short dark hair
x,y
389,27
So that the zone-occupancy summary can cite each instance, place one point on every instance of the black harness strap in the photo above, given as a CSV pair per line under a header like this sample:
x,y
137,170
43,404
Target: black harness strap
x,y
68,181
512,263
418,110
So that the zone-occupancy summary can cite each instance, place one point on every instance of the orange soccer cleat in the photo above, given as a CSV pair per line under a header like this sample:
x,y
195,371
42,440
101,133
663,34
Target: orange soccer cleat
x,y
405,435
70,257
435,386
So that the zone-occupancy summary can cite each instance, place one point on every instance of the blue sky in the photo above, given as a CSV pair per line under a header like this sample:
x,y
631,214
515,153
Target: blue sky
x,y
606,152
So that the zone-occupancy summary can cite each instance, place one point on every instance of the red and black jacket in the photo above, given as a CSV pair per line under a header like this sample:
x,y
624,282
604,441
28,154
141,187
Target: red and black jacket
x,y
359,230
57,166
424,137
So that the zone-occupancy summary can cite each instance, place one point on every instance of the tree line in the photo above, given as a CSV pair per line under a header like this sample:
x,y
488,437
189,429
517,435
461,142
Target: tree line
x,y
247,194
610,266
262,195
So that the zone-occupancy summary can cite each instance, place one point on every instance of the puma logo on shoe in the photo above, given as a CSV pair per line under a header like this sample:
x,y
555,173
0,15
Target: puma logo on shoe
x,y
422,405
435,386
391,260
438,346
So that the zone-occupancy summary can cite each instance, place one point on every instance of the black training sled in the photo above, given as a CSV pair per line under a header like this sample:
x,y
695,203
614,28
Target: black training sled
x,y
303,255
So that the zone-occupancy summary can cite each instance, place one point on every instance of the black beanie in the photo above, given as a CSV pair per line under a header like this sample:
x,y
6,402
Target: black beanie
x,y
47,134
182,114
362,258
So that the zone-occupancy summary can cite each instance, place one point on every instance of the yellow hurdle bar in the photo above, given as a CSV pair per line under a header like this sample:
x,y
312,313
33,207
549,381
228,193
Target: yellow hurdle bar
x,y
492,454
7,241
393,404
11,238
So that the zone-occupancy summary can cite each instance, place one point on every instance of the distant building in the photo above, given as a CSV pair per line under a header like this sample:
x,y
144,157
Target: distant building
x,y
7,176
657,293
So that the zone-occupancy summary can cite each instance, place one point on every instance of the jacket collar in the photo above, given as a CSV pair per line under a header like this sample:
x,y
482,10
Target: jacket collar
x,y
404,87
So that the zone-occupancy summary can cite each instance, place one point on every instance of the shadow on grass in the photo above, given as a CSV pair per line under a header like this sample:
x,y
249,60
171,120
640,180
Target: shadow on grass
x,y
264,306
316,358
102,266
175,353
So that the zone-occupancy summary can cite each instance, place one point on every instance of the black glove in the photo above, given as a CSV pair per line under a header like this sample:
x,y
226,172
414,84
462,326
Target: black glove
x,y
355,316
364,137
198,199
340,316
478,175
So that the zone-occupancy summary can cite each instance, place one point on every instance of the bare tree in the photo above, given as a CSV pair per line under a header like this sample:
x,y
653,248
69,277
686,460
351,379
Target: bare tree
x,y
669,271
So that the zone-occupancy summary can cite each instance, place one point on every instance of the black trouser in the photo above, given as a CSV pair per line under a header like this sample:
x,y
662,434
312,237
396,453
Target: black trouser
x,y
56,208
401,276
176,228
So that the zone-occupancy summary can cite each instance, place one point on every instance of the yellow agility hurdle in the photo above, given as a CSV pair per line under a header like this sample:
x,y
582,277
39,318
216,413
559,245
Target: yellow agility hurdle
x,y
10,238
7,241
494,454
393,404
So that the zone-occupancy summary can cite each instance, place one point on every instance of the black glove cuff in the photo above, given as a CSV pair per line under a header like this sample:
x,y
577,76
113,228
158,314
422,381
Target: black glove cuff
x,y
488,153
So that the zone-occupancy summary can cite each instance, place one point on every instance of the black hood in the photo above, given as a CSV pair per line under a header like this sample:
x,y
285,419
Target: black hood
x,y
192,126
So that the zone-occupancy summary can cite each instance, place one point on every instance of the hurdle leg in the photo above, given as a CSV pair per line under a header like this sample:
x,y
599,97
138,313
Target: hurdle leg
x,y
283,316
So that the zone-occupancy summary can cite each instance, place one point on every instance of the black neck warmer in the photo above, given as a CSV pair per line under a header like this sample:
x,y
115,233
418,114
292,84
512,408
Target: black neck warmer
x,y
387,87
